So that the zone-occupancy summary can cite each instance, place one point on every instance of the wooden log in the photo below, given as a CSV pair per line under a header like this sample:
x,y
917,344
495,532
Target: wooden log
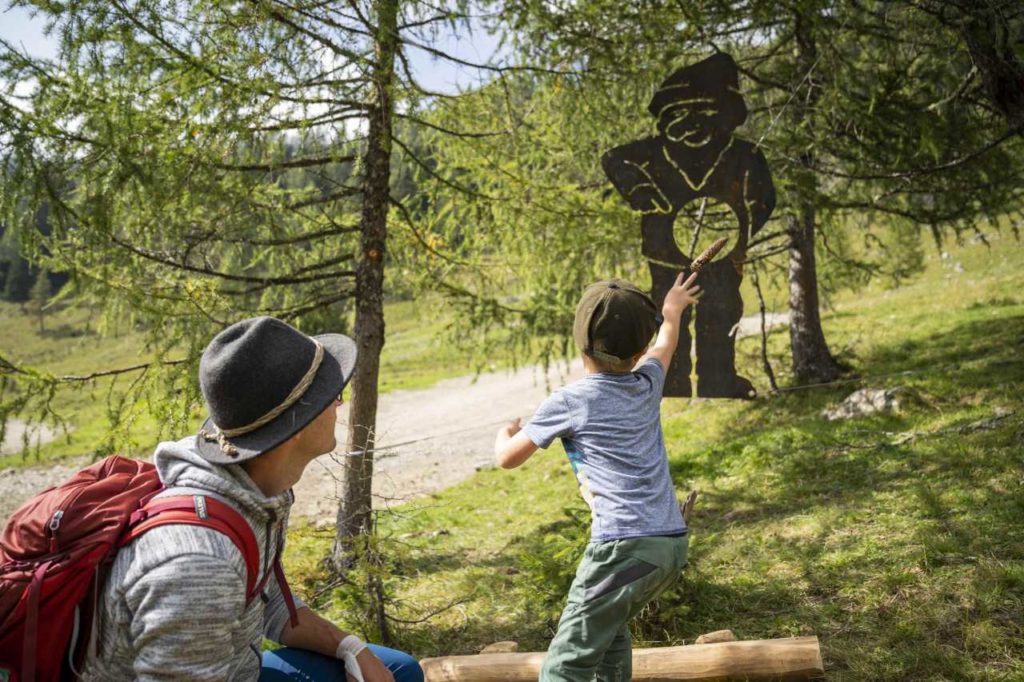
x,y
794,658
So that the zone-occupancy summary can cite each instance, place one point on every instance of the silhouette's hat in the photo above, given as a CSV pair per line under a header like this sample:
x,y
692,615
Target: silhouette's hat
x,y
715,78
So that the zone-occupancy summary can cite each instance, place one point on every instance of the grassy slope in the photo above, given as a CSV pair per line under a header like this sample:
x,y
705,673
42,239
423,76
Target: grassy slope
x,y
897,539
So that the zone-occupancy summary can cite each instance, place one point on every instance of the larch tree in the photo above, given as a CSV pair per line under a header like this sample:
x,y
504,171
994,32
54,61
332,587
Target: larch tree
x,y
209,161
873,116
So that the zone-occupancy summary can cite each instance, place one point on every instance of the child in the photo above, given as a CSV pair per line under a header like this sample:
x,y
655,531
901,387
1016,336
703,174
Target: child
x,y
609,422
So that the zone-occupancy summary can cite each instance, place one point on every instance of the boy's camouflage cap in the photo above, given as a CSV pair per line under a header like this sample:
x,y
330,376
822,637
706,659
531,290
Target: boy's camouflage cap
x,y
614,320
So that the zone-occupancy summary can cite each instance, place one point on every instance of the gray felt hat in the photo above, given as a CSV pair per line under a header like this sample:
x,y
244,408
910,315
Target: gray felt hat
x,y
263,381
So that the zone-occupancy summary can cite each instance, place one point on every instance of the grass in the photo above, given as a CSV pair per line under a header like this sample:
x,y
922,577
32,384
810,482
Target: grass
x,y
897,539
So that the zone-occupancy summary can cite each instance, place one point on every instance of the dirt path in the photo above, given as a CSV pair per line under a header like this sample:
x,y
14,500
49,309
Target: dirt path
x,y
429,439
16,432
451,426
453,421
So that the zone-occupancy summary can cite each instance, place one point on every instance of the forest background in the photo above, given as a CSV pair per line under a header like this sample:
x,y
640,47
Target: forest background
x,y
174,167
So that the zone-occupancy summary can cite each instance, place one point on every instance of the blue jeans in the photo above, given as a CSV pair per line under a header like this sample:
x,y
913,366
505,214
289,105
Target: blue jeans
x,y
289,665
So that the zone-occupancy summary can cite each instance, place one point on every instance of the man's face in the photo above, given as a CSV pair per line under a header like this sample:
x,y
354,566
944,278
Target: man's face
x,y
694,123
318,437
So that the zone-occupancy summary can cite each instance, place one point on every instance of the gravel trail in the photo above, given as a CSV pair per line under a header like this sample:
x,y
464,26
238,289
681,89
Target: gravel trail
x,y
452,422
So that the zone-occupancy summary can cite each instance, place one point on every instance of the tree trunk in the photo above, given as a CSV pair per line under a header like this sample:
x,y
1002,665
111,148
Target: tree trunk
x,y
354,509
812,361
989,37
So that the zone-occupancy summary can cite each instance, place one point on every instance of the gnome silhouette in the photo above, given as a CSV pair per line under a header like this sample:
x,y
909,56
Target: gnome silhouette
x,y
695,154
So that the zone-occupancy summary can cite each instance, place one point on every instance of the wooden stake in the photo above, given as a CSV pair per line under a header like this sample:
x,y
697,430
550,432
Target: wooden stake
x,y
794,658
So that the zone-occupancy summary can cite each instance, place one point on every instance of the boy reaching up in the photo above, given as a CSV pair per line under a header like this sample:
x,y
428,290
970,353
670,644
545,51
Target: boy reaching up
x,y
609,422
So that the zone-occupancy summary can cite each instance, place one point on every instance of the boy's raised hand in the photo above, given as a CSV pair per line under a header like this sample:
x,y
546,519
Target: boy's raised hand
x,y
680,295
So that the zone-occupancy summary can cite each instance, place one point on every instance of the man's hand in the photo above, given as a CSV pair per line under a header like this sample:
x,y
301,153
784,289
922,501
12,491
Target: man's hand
x,y
372,668
680,295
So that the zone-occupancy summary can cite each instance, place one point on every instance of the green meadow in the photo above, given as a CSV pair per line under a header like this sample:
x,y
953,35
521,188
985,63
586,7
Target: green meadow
x,y
897,539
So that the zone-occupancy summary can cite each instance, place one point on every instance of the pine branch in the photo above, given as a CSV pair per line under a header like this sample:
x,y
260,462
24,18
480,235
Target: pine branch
x,y
446,131
926,170
345,191
164,260
281,165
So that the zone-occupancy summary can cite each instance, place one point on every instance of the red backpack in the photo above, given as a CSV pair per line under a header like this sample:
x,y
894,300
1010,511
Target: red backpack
x,y
56,546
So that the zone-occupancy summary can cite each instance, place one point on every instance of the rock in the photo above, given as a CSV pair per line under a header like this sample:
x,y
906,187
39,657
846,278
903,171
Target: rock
x,y
988,424
716,637
864,402
501,648
738,514
425,534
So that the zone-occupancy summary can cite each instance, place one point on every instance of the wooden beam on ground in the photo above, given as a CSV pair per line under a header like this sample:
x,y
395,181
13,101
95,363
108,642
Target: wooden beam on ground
x,y
793,658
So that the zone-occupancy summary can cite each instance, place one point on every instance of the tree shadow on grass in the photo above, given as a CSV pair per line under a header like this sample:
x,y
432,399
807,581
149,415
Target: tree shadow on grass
x,y
898,537
901,555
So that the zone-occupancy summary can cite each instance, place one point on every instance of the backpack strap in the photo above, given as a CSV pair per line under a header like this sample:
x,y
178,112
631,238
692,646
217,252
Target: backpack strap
x,y
28,656
207,512
286,592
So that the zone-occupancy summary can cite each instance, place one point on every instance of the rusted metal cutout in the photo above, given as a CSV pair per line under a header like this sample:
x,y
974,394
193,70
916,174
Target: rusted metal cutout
x,y
695,154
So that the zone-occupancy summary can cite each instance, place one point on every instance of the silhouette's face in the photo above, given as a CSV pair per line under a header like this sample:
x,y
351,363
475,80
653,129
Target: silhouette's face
x,y
695,122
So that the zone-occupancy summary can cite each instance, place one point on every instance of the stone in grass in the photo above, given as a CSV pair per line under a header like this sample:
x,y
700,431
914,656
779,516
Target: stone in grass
x,y
716,637
508,647
864,402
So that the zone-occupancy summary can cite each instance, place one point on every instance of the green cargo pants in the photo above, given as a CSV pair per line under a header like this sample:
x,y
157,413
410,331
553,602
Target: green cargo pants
x,y
614,581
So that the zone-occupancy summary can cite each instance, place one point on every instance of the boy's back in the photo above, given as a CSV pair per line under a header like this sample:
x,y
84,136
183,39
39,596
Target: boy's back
x,y
609,422
610,427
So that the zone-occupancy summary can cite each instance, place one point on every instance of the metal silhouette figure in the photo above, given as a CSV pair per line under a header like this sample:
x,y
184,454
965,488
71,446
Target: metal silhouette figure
x,y
695,155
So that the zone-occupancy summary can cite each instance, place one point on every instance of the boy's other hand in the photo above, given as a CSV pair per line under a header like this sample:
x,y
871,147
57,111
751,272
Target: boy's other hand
x,y
512,428
512,446
681,294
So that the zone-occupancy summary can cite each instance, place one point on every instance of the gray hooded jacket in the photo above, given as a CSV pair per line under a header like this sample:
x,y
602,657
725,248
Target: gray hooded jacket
x,y
173,606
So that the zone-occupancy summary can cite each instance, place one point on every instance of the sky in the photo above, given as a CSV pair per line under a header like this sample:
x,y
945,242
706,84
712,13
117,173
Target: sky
x,y
439,75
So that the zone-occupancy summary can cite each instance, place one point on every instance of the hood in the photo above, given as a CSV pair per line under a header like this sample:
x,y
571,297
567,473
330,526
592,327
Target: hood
x,y
180,465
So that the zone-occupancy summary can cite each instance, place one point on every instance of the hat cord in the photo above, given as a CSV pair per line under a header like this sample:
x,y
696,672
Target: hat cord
x,y
221,435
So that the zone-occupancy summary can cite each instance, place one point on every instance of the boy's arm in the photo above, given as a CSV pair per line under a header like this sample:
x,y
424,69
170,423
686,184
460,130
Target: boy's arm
x,y
512,446
680,295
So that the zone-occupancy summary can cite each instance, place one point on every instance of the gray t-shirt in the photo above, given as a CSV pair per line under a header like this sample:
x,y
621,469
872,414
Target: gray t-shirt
x,y
610,425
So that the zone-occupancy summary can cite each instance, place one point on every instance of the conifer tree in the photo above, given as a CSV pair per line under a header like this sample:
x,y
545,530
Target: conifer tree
x,y
209,161
40,295
872,115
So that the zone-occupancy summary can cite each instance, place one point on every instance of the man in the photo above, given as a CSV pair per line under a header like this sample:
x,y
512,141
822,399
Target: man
x,y
695,154
174,605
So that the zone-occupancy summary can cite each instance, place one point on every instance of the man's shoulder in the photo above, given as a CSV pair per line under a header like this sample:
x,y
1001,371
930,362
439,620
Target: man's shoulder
x,y
171,542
